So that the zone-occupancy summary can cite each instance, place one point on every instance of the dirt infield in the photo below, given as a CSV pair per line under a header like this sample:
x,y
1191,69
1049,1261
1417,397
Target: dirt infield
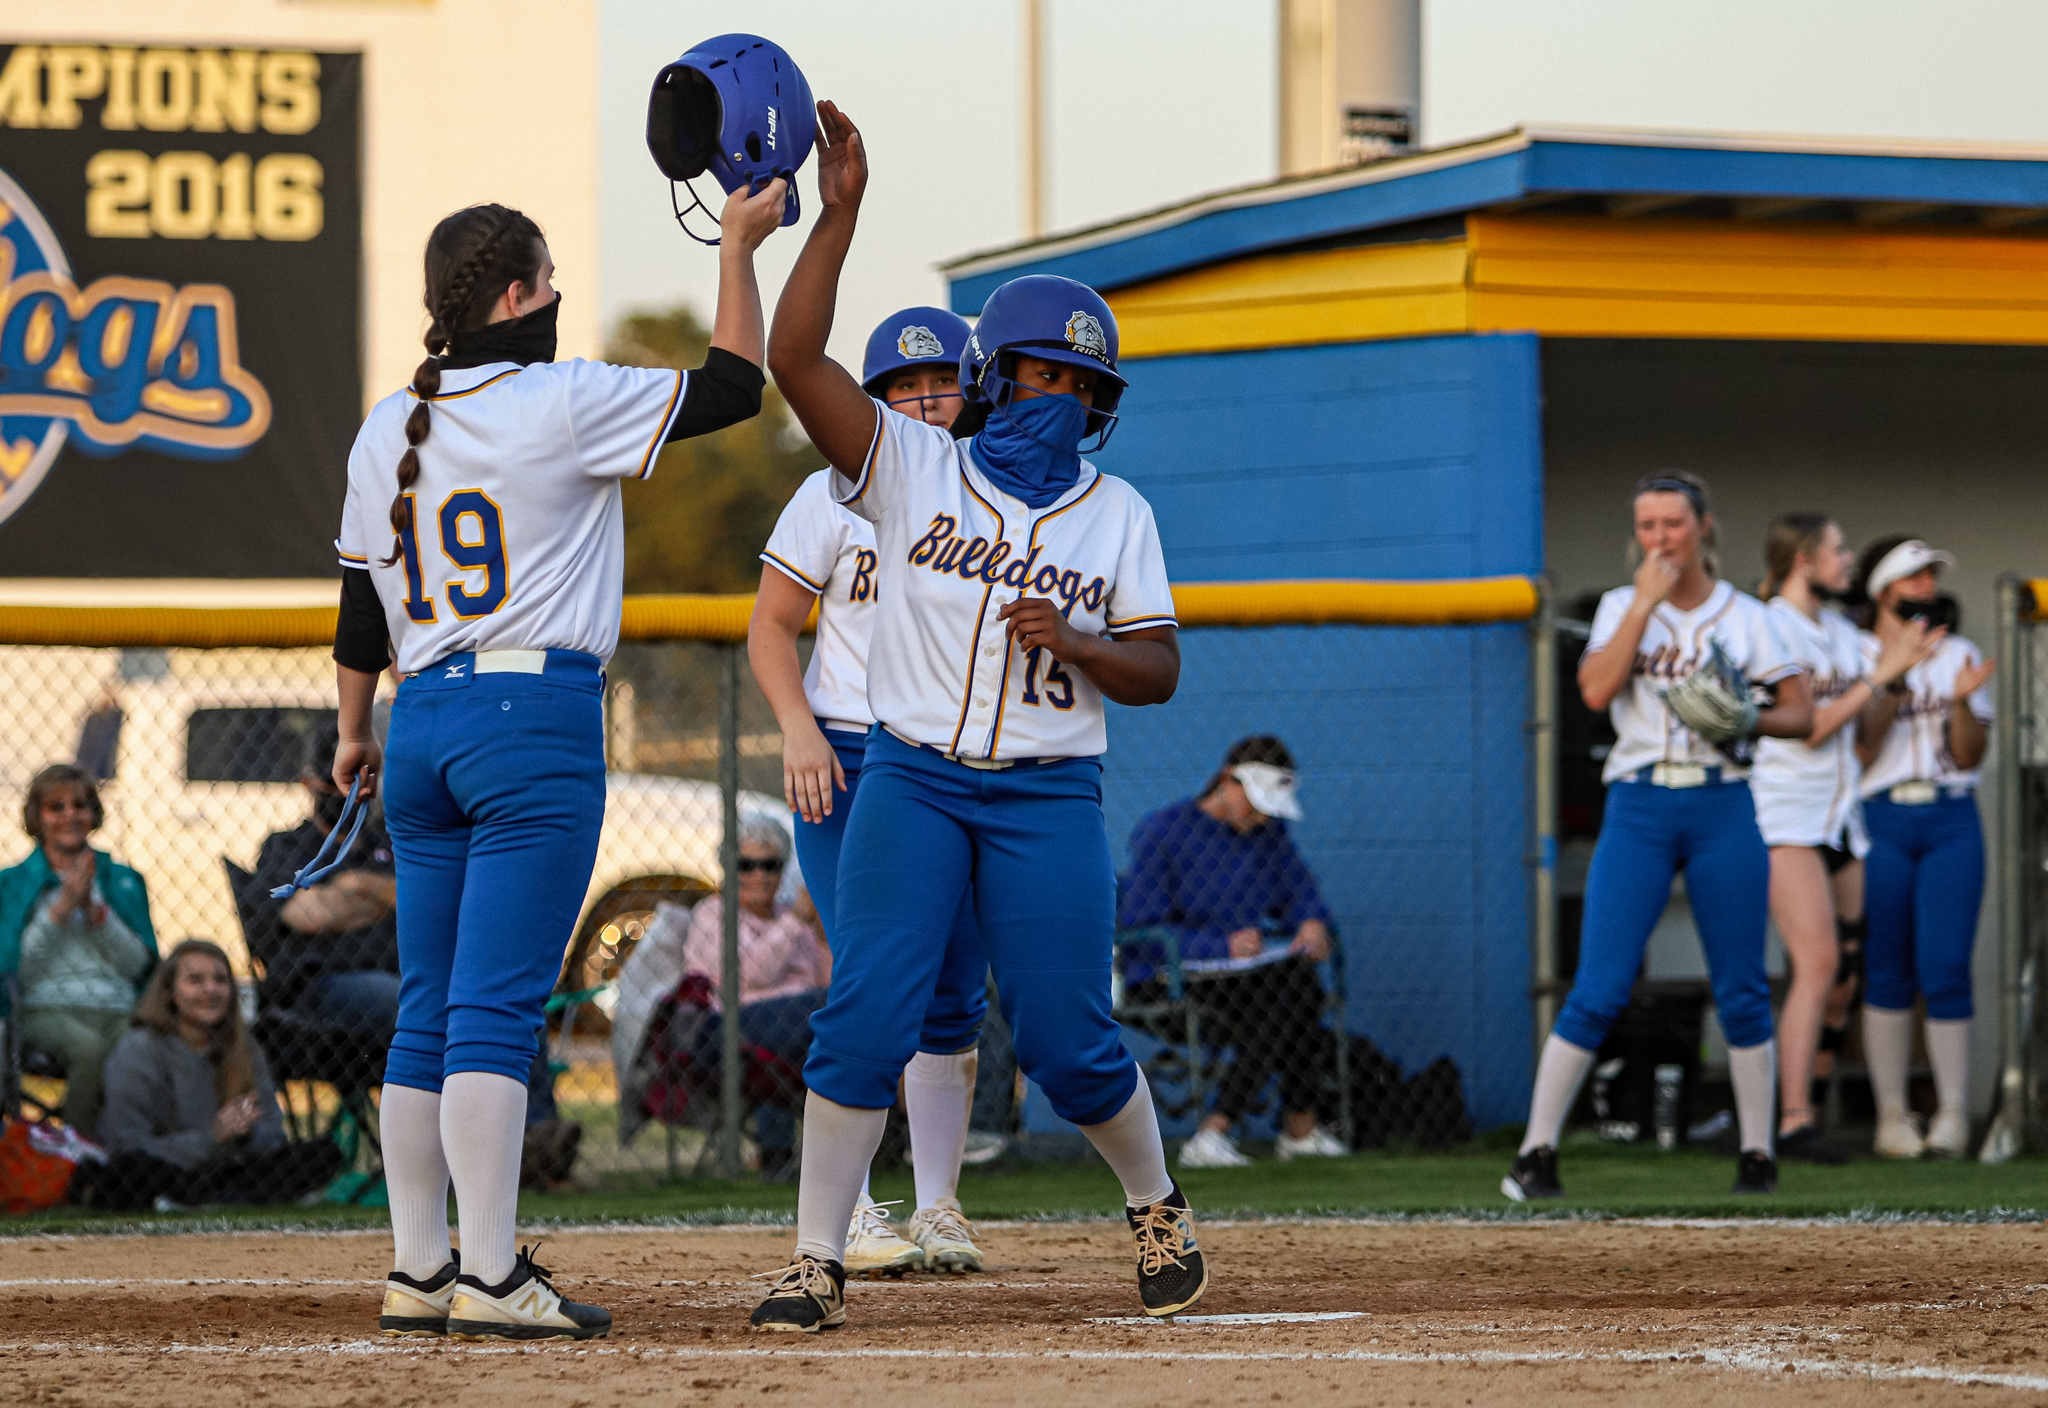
x,y
1406,1313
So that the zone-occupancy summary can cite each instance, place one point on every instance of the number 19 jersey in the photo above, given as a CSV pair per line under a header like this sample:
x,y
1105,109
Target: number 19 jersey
x,y
954,550
518,538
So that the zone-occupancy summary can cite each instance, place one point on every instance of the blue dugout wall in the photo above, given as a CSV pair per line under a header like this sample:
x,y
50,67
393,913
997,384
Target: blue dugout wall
x,y
1408,459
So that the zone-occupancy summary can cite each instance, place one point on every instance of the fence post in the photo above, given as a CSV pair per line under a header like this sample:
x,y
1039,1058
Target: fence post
x,y
729,1163
1543,806
2008,1133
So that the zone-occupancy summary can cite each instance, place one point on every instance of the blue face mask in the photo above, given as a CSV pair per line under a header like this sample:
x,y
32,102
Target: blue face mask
x,y
1031,449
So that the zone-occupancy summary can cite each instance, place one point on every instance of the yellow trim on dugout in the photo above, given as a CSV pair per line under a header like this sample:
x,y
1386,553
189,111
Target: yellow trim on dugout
x,y
1598,276
1473,601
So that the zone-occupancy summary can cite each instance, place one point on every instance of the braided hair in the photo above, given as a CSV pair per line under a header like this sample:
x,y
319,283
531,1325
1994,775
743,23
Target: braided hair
x,y
473,256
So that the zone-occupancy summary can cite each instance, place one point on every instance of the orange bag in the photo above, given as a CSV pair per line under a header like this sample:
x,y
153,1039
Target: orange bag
x,y
34,1169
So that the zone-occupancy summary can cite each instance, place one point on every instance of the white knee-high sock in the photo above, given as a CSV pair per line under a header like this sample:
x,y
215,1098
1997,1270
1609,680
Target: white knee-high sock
x,y
416,1176
1129,1143
483,1120
938,1095
866,1196
839,1145
1888,1053
1753,1071
1559,1074
1948,1051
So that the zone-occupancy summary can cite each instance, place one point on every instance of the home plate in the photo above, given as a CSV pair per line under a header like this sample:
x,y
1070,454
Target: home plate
x,y
1230,1322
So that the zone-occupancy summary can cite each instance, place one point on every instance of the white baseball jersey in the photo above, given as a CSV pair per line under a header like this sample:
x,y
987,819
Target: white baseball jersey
x,y
830,550
1674,644
954,550
518,540
1806,794
1916,746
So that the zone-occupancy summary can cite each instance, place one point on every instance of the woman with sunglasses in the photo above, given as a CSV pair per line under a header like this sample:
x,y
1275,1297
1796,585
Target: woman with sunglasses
x,y
822,557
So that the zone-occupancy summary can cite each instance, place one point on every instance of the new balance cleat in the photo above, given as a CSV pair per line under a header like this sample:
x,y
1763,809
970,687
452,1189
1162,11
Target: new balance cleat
x,y
873,1247
1755,1172
809,1295
1533,1175
1171,1272
523,1306
946,1238
419,1308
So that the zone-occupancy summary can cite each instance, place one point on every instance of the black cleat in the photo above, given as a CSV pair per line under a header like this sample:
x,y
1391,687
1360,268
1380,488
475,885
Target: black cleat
x,y
1756,1173
809,1295
1171,1272
1533,1175
417,1307
523,1306
1806,1143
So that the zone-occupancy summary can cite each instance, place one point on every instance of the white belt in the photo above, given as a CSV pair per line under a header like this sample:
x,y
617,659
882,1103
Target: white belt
x,y
1921,793
843,726
511,662
978,764
1678,775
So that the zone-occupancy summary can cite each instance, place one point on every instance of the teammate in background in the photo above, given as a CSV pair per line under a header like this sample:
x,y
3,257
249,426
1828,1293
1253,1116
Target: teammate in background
x,y
1019,587
1807,808
1921,740
495,574
823,554
1675,800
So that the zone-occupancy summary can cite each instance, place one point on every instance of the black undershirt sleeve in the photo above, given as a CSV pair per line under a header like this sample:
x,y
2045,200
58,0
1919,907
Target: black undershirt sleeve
x,y
362,637
724,391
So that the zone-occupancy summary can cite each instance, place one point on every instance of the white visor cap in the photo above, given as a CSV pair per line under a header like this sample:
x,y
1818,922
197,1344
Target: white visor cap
x,y
1903,561
1270,789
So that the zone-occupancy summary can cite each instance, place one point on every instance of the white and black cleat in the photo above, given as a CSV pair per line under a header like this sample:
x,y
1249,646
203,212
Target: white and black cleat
x,y
1533,1176
523,1306
1171,1272
417,1307
808,1295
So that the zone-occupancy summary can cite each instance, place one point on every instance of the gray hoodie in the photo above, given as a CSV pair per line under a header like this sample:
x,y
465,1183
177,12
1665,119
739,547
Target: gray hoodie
x,y
160,1101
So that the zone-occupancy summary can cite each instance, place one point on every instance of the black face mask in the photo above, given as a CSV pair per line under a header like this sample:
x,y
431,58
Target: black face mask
x,y
523,340
327,808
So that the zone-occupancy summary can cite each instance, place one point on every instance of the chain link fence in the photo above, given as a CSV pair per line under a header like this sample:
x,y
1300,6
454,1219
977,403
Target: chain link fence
x,y
1349,979
2020,867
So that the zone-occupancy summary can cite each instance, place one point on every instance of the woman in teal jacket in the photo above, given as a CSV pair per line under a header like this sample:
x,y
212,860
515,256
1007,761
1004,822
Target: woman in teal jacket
x,y
75,936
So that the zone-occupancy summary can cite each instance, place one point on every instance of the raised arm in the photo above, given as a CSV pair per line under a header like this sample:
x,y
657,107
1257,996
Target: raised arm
x,y
743,224
834,411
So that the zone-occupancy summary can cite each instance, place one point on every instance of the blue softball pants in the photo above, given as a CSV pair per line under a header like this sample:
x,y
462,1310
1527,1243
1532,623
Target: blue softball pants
x,y
494,797
1028,843
1923,883
952,1021
1649,835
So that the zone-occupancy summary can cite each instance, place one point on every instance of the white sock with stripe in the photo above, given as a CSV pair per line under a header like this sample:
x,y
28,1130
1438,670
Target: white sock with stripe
x,y
1559,1074
938,1096
416,1178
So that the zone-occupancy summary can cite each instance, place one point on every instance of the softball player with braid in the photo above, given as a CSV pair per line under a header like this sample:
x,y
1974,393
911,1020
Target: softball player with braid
x,y
1675,801
494,576
1019,587
822,554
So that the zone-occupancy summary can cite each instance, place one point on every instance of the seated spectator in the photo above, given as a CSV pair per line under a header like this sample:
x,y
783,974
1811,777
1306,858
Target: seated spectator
x,y
1221,871
329,953
76,924
784,970
192,1113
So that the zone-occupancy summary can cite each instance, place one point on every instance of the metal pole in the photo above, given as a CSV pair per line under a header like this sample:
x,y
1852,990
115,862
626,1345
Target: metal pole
x,y
729,1163
2008,1131
1543,805
1031,126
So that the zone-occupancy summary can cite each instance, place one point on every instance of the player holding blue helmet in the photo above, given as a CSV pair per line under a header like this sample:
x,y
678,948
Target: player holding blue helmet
x,y
822,556
493,580
1019,587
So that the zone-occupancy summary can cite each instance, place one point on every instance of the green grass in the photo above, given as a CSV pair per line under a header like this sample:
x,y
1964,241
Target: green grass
x,y
1603,1180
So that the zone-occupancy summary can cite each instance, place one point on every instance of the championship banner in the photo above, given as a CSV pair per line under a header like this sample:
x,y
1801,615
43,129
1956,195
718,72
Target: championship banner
x,y
180,309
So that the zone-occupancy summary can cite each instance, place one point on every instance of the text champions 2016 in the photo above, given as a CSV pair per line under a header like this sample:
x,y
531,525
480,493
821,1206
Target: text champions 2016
x,y
943,550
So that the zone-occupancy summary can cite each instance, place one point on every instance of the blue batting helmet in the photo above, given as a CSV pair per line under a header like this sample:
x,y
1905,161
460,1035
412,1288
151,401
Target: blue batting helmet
x,y
1044,315
737,106
915,337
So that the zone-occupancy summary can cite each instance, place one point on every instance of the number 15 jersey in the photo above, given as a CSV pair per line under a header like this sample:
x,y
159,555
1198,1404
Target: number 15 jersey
x,y
518,538
954,550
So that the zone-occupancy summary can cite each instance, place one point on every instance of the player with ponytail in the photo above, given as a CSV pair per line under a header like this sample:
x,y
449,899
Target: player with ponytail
x,y
492,578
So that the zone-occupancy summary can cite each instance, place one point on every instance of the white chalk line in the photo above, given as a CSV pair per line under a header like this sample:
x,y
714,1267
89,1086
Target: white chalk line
x,y
183,1281
1226,1322
1739,1360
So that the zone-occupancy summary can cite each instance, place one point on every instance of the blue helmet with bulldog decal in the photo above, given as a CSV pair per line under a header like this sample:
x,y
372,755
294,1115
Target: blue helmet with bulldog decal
x,y
737,106
914,337
1046,316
